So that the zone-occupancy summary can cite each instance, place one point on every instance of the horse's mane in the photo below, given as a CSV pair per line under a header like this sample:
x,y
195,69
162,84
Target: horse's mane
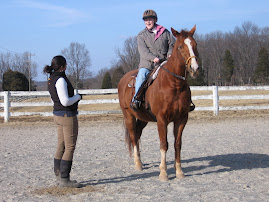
x,y
184,33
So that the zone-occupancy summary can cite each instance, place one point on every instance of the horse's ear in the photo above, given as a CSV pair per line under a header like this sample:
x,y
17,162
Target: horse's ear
x,y
193,30
175,33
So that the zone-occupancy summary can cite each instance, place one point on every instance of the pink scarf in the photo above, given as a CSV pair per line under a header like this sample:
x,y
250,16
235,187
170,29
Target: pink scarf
x,y
160,30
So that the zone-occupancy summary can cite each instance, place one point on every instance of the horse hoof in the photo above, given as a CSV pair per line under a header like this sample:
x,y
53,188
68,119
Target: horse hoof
x,y
180,176
163,178
138,168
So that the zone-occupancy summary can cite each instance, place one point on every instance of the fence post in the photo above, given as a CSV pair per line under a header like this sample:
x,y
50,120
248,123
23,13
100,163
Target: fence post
x,y
6,106
215,101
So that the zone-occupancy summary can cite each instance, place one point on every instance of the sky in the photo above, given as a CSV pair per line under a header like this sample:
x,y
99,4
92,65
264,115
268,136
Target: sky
x,y
45,27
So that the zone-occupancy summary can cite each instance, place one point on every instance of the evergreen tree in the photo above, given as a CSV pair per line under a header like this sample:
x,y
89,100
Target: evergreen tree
x,y
107,83
14,81
200,79
117,75
228,67
262,69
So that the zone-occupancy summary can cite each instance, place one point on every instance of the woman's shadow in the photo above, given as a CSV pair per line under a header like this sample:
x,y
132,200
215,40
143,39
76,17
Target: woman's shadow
x,y
227,162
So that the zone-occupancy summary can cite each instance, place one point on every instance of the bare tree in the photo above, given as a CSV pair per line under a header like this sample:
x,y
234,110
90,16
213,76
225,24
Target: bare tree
x,y
22,63
211,49
245,47
129,55
96,81
78,63
4,64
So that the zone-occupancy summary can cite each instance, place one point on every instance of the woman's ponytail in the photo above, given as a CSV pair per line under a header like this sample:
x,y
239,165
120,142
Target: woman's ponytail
x,y
47,69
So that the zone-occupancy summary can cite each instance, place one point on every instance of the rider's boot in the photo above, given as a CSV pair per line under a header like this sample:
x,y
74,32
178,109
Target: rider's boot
x,y
192,106
135,104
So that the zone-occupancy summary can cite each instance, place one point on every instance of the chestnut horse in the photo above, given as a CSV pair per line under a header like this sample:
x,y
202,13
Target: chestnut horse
x,y
169,98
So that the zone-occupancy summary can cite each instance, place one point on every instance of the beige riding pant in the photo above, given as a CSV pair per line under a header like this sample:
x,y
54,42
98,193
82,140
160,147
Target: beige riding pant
x,y
67,136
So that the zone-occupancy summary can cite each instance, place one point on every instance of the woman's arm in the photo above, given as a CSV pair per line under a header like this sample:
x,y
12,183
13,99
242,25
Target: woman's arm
x,y
171,43
61,88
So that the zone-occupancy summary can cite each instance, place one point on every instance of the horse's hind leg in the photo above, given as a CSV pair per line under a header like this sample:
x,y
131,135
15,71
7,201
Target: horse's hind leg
x,y
134,130
140,125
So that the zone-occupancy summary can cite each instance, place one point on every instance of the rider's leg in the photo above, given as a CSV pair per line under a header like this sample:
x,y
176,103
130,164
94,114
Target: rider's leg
x,y
141,77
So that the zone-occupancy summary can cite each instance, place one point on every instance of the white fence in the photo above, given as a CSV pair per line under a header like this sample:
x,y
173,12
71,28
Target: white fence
x,y
214,97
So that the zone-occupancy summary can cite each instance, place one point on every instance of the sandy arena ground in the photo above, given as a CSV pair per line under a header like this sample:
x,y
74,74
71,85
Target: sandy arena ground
x,y
224,159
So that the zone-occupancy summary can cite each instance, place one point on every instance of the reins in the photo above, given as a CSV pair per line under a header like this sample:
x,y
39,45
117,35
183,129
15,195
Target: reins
x,y
177,76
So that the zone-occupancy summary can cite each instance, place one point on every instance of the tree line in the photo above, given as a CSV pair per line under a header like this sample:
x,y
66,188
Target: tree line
x,y
233,58
16,70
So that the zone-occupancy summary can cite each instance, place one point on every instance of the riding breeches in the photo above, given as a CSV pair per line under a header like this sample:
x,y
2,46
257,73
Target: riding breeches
x,y
67,136
141,77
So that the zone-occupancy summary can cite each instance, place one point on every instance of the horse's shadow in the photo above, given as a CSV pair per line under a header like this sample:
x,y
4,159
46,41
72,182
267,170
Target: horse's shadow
x,y
227,162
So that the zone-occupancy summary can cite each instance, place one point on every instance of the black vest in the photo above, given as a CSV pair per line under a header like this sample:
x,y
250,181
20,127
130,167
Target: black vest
x,y
53,92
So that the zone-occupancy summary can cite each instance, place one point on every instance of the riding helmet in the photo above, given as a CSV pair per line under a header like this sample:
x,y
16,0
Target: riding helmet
x,y
149,14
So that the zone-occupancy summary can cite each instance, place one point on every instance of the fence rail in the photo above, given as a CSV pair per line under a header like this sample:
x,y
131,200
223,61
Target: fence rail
x,y
7,101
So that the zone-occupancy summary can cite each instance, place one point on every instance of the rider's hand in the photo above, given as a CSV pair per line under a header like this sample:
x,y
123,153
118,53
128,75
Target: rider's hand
x,y
156,60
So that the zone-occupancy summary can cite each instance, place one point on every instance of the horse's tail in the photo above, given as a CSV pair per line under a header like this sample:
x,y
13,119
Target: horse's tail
x,y
128,139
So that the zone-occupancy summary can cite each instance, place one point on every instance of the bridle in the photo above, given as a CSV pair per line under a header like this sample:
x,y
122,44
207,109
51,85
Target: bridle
x,y
187,65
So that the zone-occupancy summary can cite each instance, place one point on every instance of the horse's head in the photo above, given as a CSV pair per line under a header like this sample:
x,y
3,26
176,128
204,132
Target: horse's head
x,y
186,50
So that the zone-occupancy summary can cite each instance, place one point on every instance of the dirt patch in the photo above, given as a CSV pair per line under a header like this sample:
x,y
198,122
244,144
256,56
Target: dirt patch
x,y
60,191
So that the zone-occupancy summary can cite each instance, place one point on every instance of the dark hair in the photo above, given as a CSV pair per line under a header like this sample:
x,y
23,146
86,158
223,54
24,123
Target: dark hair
x,y
56,63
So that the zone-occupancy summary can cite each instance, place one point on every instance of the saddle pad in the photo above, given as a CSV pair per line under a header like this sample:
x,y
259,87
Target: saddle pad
x,y
153,75
131,83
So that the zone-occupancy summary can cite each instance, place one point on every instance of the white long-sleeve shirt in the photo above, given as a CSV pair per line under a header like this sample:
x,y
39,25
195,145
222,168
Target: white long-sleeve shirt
x,y
61,88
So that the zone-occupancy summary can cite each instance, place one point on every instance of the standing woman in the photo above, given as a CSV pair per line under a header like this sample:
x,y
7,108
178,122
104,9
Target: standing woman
x,y
65,116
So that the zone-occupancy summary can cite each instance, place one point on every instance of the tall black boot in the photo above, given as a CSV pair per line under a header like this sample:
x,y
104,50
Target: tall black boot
x,y
65,169
57,163
136,103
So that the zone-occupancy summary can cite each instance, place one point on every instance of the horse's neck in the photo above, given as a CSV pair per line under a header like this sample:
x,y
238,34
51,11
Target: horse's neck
x,y
168,81
175,67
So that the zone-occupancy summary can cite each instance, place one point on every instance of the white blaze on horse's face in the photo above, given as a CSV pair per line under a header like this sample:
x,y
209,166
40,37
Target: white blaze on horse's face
x,y
194,64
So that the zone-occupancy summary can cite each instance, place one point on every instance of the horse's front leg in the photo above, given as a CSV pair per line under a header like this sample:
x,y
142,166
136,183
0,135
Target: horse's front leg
x,y
178,129
162,129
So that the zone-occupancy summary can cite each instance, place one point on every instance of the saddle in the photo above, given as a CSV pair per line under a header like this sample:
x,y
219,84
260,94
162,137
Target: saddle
x,y
150,78
148,81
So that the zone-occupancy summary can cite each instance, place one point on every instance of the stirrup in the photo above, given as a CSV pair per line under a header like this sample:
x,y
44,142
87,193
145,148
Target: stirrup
x,y
135,105
192,106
